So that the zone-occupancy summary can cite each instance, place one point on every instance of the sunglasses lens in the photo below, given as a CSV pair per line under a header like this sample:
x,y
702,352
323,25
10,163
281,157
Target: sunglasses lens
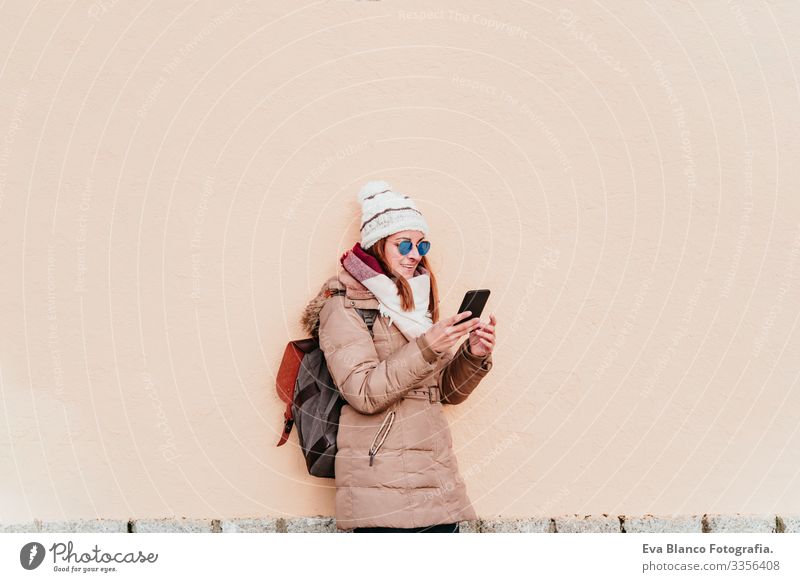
x,y
423,247
404,247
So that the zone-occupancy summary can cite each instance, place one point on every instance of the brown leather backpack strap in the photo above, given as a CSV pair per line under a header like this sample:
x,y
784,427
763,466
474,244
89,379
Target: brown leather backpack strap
x,y
287,378
290,366
287,425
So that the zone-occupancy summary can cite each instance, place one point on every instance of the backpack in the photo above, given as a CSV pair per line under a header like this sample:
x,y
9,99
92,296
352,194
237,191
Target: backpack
x,y
313,402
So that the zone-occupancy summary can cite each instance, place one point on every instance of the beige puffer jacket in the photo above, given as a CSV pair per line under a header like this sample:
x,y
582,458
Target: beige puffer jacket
x,y
395,465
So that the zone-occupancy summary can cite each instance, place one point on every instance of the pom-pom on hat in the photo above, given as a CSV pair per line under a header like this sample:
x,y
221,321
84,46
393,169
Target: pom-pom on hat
x,y
385,212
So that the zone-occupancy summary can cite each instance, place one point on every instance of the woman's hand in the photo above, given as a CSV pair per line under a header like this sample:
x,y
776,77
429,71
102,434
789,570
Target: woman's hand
x,y
481,340
445,333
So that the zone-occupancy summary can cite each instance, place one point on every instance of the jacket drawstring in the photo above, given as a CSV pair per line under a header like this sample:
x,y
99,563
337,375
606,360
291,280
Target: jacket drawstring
x,y
373,449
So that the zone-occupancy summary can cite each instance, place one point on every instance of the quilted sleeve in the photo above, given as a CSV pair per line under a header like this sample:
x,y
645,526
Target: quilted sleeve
x,y
367,384
462,374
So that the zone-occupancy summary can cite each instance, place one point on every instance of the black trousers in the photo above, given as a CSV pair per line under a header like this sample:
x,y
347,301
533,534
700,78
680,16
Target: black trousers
x,y
439,528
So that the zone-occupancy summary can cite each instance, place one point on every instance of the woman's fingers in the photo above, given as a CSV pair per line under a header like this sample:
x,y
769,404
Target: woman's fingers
x,y
491,324
463,328
463,316
488,345
484,334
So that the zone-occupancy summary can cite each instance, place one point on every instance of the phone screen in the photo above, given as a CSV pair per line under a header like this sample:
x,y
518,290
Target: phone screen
x,y
474,301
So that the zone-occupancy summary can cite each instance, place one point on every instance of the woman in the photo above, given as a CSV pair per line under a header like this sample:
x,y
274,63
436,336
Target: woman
x,y
395,466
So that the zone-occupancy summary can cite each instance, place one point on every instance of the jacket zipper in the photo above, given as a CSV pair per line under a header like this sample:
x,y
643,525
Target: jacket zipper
x,y
373,449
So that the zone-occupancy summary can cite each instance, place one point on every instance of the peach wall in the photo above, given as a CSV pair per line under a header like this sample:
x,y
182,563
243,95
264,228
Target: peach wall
x,y
176,181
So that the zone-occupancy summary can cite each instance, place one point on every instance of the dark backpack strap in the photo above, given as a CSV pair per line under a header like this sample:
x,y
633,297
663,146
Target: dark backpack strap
x,y
368,315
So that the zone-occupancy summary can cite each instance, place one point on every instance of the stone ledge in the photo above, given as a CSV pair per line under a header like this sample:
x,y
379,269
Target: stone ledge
x,y
499,525
68,526
603,523
789,524
663,524
713,523
279,525
181,525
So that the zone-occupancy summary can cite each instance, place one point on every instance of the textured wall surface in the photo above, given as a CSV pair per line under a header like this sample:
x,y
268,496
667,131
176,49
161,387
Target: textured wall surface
x,y
177,180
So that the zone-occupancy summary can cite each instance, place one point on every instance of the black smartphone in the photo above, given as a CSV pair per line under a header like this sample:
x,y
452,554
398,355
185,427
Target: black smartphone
x,y
474,301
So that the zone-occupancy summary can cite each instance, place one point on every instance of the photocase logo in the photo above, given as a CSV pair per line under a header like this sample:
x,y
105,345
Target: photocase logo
x,y
67,558
31,555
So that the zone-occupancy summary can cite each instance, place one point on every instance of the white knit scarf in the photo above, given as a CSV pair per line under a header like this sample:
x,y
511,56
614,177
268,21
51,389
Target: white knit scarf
x,y
366,269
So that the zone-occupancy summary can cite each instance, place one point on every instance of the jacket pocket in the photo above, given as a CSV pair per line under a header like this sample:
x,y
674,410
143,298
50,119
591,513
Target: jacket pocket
x,y
380,436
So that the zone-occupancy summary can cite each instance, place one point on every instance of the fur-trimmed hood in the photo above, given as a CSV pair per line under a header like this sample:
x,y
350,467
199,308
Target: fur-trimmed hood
x,y
343,283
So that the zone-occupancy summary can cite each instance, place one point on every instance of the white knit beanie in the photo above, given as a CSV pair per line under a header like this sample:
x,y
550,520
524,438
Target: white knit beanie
x,y
385,212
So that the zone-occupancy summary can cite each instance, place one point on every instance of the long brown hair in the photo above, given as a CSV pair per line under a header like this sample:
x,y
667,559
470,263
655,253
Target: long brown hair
x,y
378,250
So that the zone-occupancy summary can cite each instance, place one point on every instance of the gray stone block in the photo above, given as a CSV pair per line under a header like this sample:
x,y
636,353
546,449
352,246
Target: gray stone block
x,y
665,524
20,527
471,526
311,525
790,523
603,523
539,525
265,525
738,523
176,525
86,526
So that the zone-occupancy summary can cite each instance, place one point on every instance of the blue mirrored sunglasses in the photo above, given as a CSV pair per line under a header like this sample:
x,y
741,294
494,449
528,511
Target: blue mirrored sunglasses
x,y
405,247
